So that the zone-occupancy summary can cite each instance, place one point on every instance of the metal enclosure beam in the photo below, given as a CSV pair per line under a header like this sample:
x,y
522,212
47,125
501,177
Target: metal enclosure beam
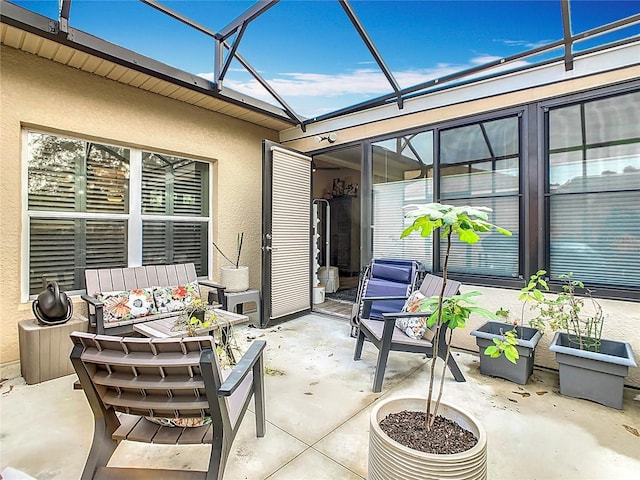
x,y
251,14
568,38
221,66
63,17
346,6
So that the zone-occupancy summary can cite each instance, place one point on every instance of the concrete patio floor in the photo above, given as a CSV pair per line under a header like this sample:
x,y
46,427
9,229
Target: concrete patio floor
x,y
318,402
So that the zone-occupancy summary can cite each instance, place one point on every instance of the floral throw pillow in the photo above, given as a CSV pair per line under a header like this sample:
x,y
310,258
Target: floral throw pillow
x,y
414,327
173,299
127,305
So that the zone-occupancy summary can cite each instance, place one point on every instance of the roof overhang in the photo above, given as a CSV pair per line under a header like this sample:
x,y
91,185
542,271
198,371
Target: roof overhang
x,y
30,32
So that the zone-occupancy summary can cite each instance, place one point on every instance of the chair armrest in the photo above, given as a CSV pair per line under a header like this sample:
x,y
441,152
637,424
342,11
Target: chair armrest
x,y
394,315
221,298
96,318
242,368
209,284
91,300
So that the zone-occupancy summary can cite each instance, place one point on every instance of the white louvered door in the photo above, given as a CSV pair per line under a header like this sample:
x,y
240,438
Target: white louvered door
x,y
286,281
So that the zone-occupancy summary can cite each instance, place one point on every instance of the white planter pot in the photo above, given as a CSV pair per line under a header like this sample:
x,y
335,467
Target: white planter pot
x,y
235,279
389,460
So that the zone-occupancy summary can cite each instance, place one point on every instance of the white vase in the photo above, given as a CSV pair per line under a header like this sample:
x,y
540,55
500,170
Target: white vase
x,y
235,279
389,460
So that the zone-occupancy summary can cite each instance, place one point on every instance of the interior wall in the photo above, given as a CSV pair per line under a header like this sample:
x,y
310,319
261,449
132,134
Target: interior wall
x,y
323,180
43,94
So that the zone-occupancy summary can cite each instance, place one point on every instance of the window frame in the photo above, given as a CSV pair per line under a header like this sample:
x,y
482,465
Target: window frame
x,y
134,217
533,243
526,147
603,291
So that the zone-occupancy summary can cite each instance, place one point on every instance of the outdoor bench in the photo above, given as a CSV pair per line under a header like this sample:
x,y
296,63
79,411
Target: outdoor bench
x,y
118,298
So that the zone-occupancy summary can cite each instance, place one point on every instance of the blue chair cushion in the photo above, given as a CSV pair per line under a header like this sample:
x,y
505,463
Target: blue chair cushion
x,y
383,288
393,273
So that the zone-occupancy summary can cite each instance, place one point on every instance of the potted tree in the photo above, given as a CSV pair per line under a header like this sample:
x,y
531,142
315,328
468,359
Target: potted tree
x,y
508,349
234,277
590,367
406,434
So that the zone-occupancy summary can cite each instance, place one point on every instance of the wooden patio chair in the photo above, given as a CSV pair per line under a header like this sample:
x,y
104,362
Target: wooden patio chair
x,y
127,380
386,337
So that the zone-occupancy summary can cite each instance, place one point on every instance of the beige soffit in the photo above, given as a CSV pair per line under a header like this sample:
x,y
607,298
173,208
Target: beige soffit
x,y
42,47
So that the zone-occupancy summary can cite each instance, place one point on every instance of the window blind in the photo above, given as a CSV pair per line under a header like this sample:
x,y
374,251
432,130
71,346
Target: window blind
x,y
389,200
291,233
594,191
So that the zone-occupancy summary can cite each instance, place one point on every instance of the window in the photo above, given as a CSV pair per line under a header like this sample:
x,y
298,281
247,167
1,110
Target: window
x,y
402,175
576,191
85,211
175,200
593,190
480,166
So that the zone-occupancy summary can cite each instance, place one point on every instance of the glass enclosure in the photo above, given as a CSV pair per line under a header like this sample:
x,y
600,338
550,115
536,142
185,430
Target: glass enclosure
x,y
402,175
594,190
480,166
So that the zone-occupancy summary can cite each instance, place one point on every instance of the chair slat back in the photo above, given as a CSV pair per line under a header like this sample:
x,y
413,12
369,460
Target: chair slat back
x,y
432,285
149,377
120,279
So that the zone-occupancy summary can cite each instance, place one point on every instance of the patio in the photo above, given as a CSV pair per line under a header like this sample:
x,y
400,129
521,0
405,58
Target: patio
x,y
318,400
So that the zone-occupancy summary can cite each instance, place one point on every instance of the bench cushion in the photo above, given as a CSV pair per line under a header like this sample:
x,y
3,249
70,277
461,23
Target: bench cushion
x,y
127,305
175,298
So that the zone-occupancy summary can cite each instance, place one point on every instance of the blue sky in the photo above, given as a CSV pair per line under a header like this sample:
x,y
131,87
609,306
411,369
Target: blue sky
x,y
314,58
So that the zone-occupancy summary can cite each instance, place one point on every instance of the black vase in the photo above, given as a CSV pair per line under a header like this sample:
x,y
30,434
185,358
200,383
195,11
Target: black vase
x,y
52,307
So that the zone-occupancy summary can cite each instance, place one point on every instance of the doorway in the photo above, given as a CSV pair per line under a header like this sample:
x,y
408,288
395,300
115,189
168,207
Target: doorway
x,y
336,179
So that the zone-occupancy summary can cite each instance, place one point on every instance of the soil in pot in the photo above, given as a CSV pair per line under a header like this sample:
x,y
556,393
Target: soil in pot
x,y
445,437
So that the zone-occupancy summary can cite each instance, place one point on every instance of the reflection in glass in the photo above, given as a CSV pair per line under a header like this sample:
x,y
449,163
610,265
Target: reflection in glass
x,y
402,175
174,186
77,176
594,182
480,166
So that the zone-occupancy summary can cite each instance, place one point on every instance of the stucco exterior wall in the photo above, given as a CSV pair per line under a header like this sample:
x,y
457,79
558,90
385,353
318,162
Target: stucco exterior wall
x,y
39,93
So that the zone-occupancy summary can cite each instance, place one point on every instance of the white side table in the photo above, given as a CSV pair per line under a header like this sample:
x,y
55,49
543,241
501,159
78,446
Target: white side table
x,y
237,299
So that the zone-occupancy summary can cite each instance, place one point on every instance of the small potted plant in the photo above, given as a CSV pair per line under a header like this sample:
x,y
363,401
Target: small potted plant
x,y
234,277
590,367
509,349
194,317
198,318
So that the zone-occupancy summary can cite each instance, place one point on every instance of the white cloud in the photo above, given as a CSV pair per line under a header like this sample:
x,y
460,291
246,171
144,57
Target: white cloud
x,y
523,43
317,92
482,59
